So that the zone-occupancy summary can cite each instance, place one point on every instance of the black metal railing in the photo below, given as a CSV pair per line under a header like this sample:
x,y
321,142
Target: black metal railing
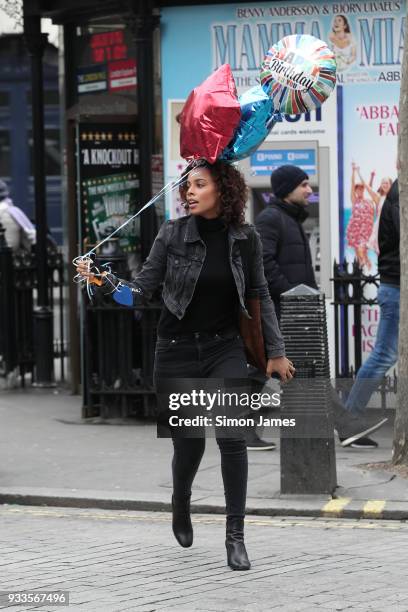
x,y
119,344
18,299
351,294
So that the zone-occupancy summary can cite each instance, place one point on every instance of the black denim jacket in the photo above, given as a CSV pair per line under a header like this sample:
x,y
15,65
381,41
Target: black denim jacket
x,y
176,259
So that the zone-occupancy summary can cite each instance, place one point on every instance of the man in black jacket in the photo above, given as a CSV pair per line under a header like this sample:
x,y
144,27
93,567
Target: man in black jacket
x,y
385,352
286,250
288,262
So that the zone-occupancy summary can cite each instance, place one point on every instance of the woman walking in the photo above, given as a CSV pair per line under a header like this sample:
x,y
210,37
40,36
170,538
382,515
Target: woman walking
x,y
198,259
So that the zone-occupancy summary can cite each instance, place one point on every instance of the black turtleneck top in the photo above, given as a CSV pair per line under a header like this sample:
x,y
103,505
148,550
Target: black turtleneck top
x,y
214,305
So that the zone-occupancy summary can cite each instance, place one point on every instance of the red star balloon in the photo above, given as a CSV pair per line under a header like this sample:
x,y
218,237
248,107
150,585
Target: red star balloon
x,y
210,116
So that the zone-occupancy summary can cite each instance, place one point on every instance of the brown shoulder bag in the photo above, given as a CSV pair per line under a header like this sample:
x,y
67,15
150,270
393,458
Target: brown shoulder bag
x,y
251,329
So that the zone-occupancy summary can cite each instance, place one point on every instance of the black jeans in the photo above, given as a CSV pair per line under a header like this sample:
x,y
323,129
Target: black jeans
x,y
205,355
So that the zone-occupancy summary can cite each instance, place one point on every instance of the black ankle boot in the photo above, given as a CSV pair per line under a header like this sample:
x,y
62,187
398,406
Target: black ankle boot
x,y
236,552
182,527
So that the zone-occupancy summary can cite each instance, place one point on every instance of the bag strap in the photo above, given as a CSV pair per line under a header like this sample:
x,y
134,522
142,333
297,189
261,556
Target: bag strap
x,y
244,259
246,265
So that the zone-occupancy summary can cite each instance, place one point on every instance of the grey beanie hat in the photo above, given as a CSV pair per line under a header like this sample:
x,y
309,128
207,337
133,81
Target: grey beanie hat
x,y
285,179
4,190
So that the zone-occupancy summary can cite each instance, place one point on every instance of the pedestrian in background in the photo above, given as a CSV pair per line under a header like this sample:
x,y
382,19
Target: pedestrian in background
x,y
385,352
286,250
288,262
19,231
199,259
286,253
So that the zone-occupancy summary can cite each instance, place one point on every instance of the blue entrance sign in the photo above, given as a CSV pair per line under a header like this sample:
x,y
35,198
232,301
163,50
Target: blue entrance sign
x,y
266,161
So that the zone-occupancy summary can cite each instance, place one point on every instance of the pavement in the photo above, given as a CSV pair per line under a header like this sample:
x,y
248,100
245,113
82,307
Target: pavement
x,y
117,561
50,456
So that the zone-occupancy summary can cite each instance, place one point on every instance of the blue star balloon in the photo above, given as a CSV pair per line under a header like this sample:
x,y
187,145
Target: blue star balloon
x,y
123,295
256,122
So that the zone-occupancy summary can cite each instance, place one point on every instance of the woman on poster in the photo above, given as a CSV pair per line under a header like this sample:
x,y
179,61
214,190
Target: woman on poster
x,y
360,226
378,198
198,259
342,43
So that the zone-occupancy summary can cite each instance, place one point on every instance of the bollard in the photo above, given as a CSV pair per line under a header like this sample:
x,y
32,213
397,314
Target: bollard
x,y
308,462
8,345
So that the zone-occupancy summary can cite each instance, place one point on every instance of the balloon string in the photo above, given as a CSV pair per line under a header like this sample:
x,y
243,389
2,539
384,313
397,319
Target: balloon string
x,y
277,115
170,186
86,257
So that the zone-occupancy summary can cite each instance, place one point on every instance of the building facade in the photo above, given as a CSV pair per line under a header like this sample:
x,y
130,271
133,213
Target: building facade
x,y
128,69
357,127
16,142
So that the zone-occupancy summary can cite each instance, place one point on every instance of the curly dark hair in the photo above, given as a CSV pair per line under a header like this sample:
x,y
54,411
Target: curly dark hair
x,y
231,186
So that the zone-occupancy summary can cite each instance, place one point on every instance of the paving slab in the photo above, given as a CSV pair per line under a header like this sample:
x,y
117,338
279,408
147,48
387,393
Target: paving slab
x,y
49,455
112,561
